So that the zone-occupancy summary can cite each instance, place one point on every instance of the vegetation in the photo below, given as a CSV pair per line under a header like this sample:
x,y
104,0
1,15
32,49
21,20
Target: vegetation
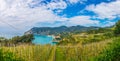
x,y
8,56
117,28
112,53
57,53
58,30
23,39
85,37
94,45
27,39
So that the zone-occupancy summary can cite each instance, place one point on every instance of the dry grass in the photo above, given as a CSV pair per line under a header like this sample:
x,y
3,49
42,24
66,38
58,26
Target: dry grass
x,y
58,53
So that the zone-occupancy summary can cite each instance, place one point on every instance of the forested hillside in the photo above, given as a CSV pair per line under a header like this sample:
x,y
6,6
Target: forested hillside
x,y
58,30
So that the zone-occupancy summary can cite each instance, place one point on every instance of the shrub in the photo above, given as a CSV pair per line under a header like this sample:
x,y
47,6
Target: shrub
x,y
117,28
112,53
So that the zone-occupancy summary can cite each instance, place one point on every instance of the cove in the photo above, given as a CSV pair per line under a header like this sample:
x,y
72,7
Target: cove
x,y
43,39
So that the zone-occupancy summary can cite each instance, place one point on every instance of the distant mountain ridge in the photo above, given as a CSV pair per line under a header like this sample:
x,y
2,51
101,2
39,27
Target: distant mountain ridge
x,y
56,30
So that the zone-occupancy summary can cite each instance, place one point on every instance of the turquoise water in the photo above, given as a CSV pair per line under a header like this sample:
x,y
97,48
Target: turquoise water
x,y
42,39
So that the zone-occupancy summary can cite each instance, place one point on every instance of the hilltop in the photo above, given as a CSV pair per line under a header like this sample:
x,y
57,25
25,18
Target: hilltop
x,y
57,30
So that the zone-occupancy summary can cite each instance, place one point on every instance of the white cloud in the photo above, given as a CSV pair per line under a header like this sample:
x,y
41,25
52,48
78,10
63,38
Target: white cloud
x,y
108,23
76,1
20,15
73,1
57,5
82,20
106,10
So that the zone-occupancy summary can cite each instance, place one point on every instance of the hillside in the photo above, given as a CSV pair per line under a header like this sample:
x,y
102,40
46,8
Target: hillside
x,y
57,30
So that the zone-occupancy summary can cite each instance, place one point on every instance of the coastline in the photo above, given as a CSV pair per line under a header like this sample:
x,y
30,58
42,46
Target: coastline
x,y
40,39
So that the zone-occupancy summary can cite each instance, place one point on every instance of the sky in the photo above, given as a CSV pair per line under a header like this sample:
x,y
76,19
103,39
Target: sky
x,y
18,16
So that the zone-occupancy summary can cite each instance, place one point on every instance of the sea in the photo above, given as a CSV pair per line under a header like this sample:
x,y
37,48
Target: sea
x,y
43,40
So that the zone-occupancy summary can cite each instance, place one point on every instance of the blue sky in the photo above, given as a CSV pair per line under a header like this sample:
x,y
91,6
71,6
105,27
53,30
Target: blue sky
x,y
18,16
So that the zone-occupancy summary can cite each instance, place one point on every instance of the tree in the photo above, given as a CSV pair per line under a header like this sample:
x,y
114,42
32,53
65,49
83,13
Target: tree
x,y
117,28
15,39
27,38
22,39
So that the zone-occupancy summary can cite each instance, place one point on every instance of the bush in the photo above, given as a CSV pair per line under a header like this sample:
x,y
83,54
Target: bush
x,y
112,53
22,39
108,34
117,28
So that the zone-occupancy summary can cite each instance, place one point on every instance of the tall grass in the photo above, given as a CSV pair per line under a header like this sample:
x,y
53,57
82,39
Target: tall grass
x,y
8,56
56,53
30,53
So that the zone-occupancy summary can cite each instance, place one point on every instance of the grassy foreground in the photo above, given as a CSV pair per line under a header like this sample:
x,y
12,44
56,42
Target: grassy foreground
x,y
87,52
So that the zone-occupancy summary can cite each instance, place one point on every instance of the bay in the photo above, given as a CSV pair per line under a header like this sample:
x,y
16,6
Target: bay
x,y
43,39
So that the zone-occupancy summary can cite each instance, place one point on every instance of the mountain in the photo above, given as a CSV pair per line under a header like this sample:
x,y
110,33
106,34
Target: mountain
x,y
57,30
